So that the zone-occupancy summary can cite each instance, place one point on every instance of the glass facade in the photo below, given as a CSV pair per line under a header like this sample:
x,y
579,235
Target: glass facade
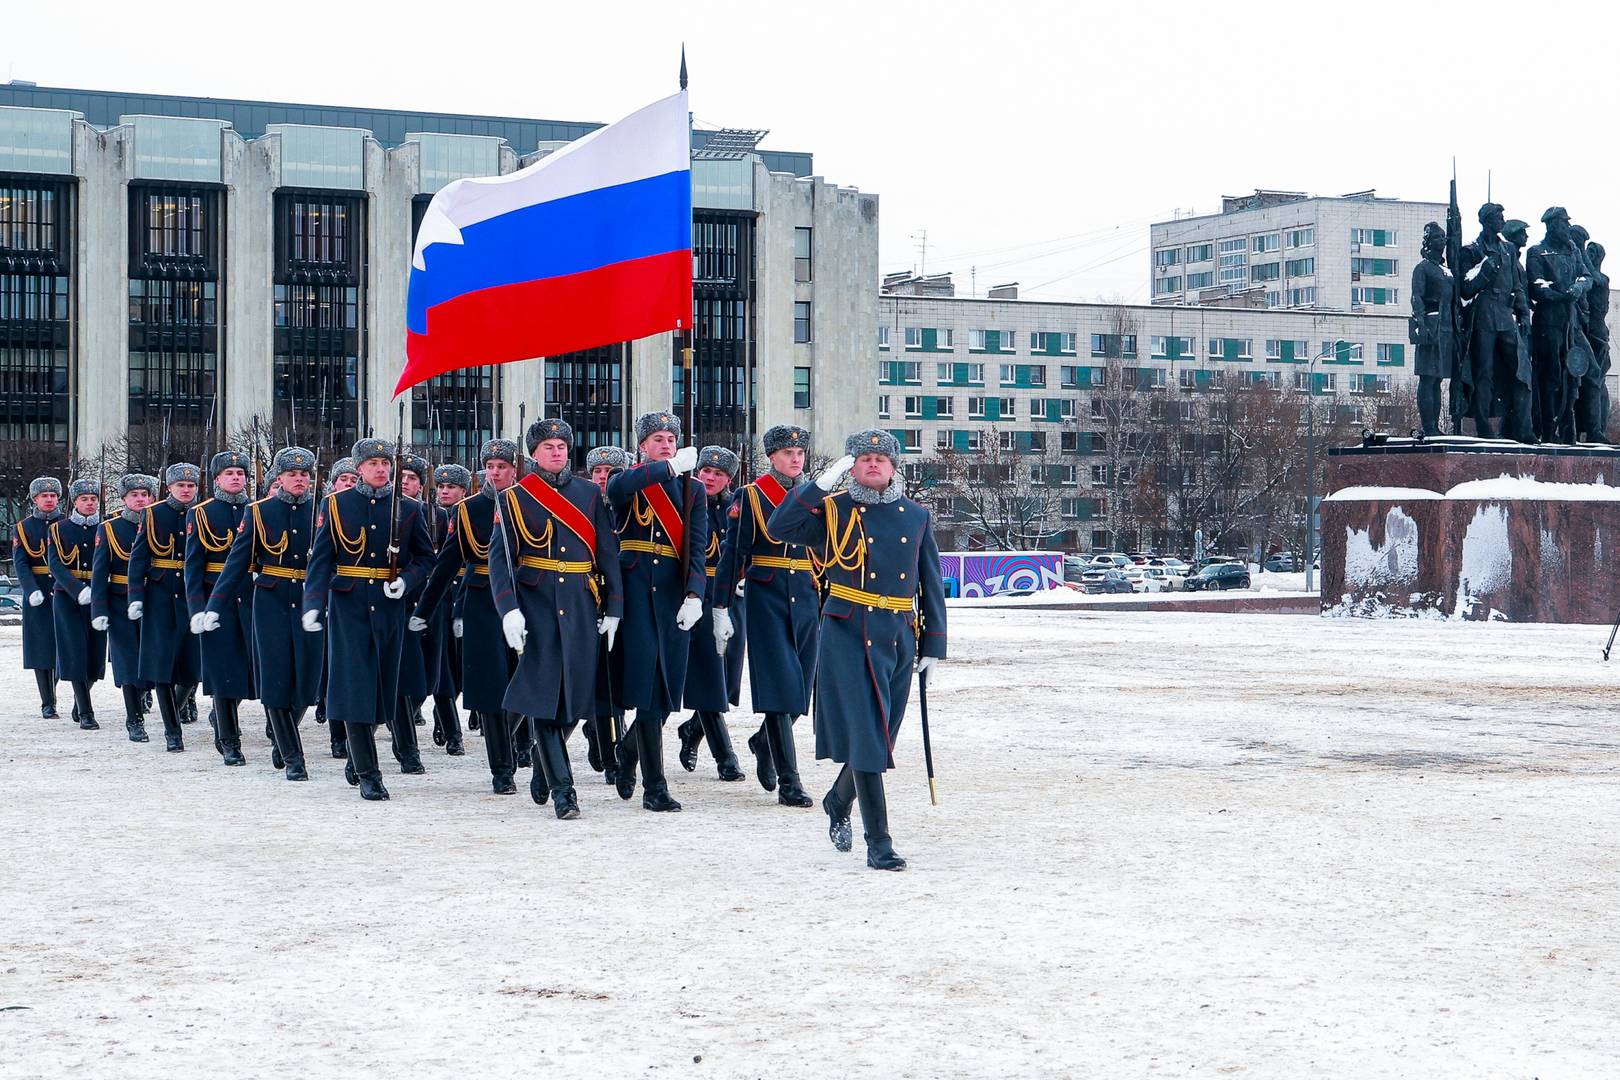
x,y
36,239
175,264
315,157
173,148
723,330
319,296
36,142
587,389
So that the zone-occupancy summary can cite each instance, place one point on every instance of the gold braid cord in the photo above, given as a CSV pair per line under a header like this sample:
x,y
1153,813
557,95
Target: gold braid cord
x,y
754,500
211,541
112,542
159,551
277,549
22,538
56,539
468,540
344,545
840,552
520,525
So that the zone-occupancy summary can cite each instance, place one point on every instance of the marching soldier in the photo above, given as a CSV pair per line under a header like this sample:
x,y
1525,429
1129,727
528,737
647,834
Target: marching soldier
x,y
272,546
343,477
442,649
462,573
663,534
782,601
81,649
109,597
601,733
885,614
415,680
554,539
227,661
368,553
33,574
708,669
170,657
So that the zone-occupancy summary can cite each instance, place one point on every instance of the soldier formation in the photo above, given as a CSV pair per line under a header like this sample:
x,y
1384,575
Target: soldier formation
x,y
1525,346
541,599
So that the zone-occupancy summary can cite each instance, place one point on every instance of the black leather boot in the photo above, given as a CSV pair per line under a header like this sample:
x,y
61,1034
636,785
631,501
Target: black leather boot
x,y
764,767
593,751
498,749
880,853
83,710
447,721
172,740
228,729
406,751
719,740
837,803
186,700
134,721
625,753
473,723
650,751
45,679
780,729
607,747
551,756
289,744
362,765
539,782
691,734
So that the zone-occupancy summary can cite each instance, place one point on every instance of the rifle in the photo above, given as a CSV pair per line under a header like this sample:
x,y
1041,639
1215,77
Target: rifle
x,y
1462,382
393,516
1612,632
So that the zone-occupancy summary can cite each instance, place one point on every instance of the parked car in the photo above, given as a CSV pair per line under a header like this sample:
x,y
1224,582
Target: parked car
x,y
1105,581
1217,560
1282,563
1073,567
1220,576
1111,558
1134,575
1162,579
1171,563
11,603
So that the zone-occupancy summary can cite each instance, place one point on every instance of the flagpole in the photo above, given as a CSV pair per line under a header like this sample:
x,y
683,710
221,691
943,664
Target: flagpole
x,y
688,375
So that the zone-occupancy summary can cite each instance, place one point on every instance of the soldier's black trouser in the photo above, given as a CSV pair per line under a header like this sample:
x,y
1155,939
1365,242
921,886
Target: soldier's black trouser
x,y
362,740
778,728
168,708
81,700
865,788
718,736
402,729
284,731
447,719
45,679
497,730
643,744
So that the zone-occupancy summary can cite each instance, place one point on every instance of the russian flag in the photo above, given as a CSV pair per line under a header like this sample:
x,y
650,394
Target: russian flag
x,y
588,246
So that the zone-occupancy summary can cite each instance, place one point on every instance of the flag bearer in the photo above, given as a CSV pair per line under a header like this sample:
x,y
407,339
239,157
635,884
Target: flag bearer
x,y
109,597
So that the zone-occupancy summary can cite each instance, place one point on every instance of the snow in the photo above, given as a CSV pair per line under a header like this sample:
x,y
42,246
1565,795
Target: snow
x,y
1396,559
1168,845
1381,494
1487,557
1507,487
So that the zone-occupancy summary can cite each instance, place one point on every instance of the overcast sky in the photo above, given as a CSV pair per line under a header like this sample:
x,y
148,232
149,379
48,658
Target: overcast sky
x,y
1033,141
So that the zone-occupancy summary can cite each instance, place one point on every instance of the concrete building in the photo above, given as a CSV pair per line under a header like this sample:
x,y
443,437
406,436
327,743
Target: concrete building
x,y
168,279
953,369
1283,249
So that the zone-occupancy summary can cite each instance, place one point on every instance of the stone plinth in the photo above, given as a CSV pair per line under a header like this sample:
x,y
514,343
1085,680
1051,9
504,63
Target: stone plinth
x,y
1473,529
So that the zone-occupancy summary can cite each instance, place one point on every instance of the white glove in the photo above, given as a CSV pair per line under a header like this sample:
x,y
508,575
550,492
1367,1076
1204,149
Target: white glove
x,y
197,622
99,622
925,664
515,629
741,582
84,595
417,624
685,460
691,613
394,589
608,627
312,621
210,621
723,630
455,627
136,610
36,598
835,472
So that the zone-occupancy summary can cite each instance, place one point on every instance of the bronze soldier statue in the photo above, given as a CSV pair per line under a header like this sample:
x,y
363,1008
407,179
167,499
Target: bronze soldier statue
x,y
1497,306
1555,270
1430,326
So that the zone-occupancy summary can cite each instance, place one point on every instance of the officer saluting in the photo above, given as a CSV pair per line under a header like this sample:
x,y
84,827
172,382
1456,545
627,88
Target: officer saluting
x,y
368,553
662,536
109,597
552,541
33,574
710,689
272,544
170,658
81,649
882,567
462,572
782,601
601,732
227,661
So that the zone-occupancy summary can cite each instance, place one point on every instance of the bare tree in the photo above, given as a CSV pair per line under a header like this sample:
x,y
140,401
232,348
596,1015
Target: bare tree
x,y
1006,497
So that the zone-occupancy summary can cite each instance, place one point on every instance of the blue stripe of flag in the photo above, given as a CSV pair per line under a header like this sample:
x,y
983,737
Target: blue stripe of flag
x,y
564,236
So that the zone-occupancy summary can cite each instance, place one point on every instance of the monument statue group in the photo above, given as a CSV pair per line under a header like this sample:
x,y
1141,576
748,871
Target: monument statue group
x,y
1525,346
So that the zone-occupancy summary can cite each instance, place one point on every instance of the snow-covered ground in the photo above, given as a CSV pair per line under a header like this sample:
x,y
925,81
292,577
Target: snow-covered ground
x,y
1173,845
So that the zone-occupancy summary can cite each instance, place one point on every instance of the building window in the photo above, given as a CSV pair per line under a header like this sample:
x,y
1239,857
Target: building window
x,y
1114,346
719,251
802,269
801,321
1374,268
883,406
1199,253
36,237
1254,378
1234,260
801,388
1069,376
883,337
900,372
1009,440
1200,280
1391,355
1167,257
910,440
1187,378
913,408
1167,286
1051,342
1267,242
976,409
1288,351
944,407
1172,348
943,439
1265,271
1069,442
1231,348
1341,352
1305,297
1298,238
1361,295
1301,267
1375,237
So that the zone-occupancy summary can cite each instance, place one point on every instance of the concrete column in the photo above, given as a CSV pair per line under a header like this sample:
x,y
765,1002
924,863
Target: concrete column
x,y
392,178
102,161
252,172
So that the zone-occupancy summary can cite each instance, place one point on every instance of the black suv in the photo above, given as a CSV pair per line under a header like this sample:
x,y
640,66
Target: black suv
x,y
1219,576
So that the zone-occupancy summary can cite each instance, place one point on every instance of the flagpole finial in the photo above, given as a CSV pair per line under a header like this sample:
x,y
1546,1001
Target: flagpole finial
x,y
683,65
